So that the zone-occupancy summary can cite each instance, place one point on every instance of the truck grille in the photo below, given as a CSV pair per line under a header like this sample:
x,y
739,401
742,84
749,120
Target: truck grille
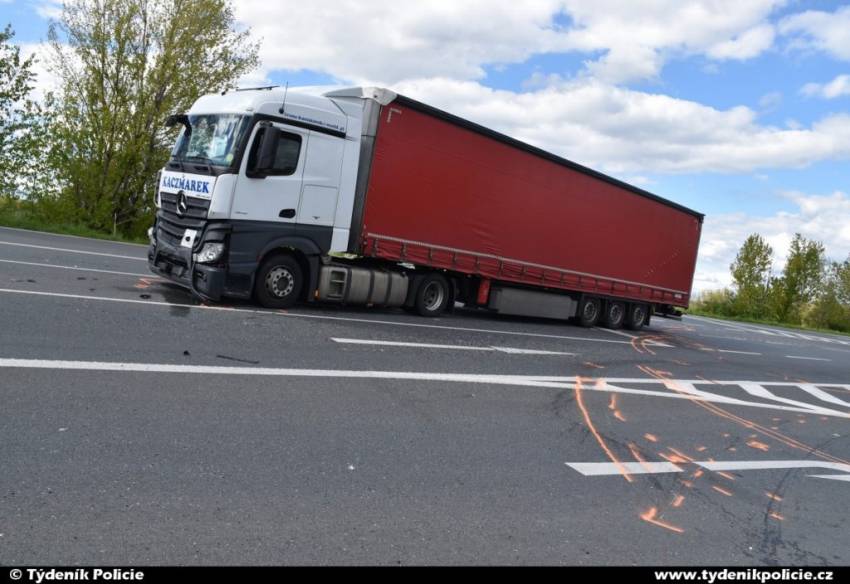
x,y
171,225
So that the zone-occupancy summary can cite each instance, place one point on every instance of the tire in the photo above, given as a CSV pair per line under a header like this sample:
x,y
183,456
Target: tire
x,y
636,316
279,282
432,295
615,315
589,310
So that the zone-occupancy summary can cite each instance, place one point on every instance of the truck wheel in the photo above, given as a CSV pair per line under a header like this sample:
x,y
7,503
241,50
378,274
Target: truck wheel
x,y
588,311
615,314
433,295
636,316
279,281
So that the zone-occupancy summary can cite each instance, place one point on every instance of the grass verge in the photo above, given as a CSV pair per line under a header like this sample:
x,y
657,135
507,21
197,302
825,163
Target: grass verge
x,y
23,219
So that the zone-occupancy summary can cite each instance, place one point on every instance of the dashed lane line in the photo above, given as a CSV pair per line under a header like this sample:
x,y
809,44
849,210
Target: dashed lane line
x,y
66,250
151,276
104,241
510,350
311,316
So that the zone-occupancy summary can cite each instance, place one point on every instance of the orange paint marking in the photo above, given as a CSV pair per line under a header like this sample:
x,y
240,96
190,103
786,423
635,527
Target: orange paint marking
x,y
701,448
612,405
779,437
777,516
593,365
636,345
636,453
688,484
682,454
595,432
677,502
732,449
698,473
674,459
651,437
650,515
774,497
722,491
619,416
758,445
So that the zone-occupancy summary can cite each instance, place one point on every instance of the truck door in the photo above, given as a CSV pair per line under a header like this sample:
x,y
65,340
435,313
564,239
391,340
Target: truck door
x,y
275,197
321,181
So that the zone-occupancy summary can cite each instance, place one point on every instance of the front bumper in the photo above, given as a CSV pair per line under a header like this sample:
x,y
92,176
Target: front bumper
x,y
176,265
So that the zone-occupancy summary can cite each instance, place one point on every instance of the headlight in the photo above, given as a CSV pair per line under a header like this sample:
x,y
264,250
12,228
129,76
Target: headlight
x,y
210,253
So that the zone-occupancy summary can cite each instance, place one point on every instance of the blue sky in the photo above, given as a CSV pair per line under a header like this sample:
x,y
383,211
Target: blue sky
x,y
702,102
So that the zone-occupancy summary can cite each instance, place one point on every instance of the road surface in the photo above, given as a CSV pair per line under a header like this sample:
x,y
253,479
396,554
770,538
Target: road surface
x,y
139,427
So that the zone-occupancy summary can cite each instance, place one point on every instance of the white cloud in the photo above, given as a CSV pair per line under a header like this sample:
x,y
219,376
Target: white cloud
x,y
379,41
819,217
838,87
818,30
49,9
45,80
626,131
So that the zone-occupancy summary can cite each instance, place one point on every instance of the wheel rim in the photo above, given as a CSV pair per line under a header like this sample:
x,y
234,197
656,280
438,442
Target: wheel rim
x,y
433,296
615,313
590,310
638,315
280,282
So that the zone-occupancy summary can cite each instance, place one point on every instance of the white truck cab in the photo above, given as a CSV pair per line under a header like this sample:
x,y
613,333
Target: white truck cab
x,y
259,170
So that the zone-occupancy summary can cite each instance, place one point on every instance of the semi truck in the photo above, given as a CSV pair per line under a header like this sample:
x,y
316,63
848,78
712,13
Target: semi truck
x,y
363,196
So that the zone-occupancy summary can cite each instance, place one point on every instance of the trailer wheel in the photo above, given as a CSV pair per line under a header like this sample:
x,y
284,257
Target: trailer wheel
x,y
615,314
432,296
279,281
636,316
588,311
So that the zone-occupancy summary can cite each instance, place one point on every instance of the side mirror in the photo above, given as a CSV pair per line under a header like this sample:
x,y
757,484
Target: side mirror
x,y
268,150
175,119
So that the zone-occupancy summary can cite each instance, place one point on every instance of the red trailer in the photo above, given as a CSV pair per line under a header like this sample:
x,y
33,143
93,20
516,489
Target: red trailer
x,y
449,194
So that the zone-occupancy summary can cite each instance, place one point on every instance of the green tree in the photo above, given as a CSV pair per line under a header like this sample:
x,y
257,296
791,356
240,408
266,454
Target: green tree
x,y
125,65
751,275
801,278
828,311
20,145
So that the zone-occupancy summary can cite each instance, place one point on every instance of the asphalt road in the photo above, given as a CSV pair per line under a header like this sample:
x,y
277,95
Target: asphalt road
x,y
138,427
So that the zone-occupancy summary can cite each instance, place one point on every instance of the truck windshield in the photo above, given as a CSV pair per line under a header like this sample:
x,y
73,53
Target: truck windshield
x,y
211,139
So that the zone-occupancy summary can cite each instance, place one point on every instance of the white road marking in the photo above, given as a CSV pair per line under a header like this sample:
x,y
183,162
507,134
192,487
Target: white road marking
x,y
313,316
603,385
807,358
590,469
151,276
107,241
737,352
613,469
62,249
631,336
615,332
453,347
778,332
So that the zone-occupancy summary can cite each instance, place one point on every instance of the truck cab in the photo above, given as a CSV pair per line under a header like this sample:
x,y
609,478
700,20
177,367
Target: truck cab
x,y
253,173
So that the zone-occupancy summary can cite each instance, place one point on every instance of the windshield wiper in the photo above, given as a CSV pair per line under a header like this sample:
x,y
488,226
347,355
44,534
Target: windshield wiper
x,y
203,159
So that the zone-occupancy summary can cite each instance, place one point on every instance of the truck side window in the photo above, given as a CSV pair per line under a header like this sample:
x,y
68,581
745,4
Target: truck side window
x,y
286,153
